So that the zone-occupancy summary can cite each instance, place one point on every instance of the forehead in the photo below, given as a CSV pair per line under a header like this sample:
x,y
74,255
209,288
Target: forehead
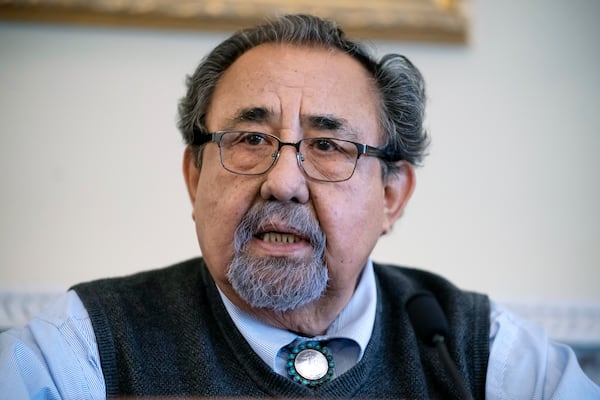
x,y
295,81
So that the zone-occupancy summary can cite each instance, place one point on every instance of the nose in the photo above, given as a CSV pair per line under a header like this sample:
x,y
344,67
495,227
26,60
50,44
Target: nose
x,y
285,181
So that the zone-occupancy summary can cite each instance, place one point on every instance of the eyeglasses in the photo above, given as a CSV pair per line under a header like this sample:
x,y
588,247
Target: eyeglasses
x,y
322,159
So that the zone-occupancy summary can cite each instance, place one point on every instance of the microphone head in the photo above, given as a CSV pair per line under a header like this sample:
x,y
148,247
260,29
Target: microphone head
x,y
427,317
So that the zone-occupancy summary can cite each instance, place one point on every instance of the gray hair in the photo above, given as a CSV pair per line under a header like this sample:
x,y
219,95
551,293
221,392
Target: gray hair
x,y
400,84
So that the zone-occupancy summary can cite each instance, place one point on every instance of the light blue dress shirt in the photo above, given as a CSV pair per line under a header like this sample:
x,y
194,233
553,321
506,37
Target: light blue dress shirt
x,y
56,356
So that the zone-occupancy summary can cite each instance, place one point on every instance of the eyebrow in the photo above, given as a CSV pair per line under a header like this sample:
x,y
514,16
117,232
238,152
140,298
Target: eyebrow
x,y
324,122
330,123
249,114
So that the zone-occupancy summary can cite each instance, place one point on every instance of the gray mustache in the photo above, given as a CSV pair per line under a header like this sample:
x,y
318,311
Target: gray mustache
x,y
294,215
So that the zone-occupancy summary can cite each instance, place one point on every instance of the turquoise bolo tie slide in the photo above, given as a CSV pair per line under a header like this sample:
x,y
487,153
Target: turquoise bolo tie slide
x,y
310,363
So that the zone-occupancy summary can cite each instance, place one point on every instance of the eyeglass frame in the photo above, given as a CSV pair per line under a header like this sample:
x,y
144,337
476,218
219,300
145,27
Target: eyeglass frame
x,y
201,138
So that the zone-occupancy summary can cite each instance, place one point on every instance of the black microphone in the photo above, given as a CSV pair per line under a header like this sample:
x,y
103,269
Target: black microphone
x,y
431,326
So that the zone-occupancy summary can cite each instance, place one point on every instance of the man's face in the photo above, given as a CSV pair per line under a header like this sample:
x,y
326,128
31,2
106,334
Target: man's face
x,y
294,93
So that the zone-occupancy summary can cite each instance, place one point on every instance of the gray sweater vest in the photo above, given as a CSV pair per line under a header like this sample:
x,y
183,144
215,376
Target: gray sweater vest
x,y
166,333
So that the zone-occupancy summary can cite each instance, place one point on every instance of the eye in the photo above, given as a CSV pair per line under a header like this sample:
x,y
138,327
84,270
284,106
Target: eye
x,y
325,145
330,148
254,139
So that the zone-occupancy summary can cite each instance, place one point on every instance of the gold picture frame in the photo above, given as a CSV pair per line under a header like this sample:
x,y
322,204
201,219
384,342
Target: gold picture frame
x,y
408,20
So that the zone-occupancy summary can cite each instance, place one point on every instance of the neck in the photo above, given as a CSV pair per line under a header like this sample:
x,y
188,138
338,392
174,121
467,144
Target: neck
x,y
310,320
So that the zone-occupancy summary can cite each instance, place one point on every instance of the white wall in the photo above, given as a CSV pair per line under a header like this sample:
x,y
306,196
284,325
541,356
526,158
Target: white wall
x,y
507,202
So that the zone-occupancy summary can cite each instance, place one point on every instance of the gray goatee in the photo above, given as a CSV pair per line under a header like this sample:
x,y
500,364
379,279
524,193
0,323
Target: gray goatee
x,y
278,283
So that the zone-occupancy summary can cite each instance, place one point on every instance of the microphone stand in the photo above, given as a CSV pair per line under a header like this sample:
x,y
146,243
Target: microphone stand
x,y
431,325
440,344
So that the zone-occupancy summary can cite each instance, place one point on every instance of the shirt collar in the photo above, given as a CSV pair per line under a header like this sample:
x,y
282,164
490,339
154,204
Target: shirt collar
x,y
354,322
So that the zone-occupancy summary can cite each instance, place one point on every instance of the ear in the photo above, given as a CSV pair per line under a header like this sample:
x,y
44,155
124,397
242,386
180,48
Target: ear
x,y
398,188
191,173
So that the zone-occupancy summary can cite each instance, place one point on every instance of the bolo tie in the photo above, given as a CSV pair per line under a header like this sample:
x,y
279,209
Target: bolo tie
x,y
310,363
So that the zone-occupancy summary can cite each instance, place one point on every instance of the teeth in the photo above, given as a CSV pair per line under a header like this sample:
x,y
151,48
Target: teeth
x,y
274,237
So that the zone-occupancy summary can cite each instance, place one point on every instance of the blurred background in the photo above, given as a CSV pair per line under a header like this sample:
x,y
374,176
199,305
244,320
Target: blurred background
x,y
507,202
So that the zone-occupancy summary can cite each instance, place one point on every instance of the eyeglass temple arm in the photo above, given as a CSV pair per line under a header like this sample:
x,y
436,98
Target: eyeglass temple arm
x,y
200,137
383,154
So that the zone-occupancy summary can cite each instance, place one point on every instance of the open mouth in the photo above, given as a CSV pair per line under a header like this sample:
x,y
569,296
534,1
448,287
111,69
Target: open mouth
x,y
279,237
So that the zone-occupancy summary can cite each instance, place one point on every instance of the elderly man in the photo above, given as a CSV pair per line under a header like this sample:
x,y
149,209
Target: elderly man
x,y
300,154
